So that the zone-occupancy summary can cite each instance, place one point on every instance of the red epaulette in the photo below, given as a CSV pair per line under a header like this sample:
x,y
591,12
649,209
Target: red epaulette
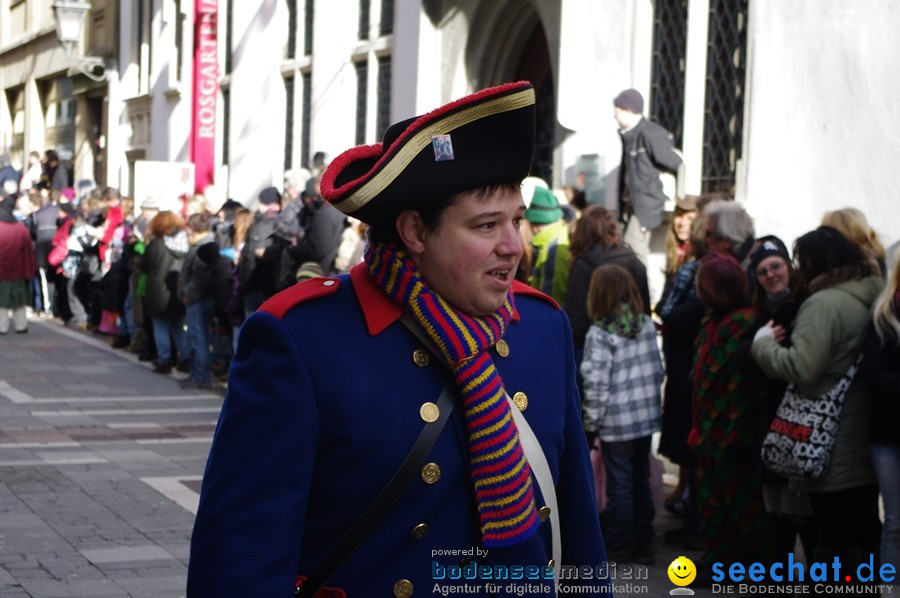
x,y
280,304
520,288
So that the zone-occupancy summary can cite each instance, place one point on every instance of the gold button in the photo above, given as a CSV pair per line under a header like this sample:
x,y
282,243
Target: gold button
x,y
431,472
521,401
429,412
403,588
544,513
551,564
502,348
420,531
420,357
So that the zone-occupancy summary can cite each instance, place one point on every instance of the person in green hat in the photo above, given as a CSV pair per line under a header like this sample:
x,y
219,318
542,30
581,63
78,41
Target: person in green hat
x,y
550,245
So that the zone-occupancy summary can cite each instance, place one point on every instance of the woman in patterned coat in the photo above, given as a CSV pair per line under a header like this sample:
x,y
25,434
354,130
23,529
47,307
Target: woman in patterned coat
x,y
725,435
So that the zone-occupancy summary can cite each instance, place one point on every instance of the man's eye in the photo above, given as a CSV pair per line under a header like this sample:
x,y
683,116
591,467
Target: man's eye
x,y
517,222
486,226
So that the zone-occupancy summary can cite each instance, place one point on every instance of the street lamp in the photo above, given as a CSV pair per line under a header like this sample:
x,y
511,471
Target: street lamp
x,y
69,15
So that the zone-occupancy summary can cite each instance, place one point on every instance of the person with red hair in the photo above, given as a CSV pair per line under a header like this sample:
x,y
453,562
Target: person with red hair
x,y
725,434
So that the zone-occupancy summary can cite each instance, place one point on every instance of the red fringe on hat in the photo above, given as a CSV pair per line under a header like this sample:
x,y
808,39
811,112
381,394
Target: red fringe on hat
x,y
337,166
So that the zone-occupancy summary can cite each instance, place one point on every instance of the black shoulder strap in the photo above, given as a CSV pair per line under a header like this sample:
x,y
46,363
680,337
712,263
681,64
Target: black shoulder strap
x,y
380,507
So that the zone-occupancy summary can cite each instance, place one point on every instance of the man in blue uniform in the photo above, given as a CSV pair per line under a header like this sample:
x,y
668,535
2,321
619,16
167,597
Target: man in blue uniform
x,y
426,377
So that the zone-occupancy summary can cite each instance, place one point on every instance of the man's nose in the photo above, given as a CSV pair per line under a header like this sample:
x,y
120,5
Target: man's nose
x,y
511,242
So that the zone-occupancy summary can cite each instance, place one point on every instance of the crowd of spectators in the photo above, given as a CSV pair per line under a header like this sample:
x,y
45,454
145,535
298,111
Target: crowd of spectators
x,y
740,317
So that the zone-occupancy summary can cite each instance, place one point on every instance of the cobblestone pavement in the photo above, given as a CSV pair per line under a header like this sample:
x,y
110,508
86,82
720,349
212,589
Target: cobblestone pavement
x,y
100,464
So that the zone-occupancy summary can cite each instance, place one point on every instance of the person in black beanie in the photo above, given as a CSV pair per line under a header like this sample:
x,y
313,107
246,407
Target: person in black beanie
x,y
777,290
647,149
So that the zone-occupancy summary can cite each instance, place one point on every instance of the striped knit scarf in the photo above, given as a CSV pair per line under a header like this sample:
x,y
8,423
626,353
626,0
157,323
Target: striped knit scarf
x,y
504,490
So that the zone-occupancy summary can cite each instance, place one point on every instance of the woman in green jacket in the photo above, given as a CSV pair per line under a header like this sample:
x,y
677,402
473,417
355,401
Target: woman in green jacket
x,y
826,340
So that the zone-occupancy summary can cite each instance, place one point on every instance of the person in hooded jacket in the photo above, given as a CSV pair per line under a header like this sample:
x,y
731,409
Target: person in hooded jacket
x,y
195,291
162,261
260,257
826,340
323,228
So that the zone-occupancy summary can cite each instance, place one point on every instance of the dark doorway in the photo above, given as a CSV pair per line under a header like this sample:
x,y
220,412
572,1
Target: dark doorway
x,y
534,66
95,105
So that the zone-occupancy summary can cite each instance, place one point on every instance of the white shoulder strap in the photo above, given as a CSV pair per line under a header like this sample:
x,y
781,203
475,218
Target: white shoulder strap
x,y
538,462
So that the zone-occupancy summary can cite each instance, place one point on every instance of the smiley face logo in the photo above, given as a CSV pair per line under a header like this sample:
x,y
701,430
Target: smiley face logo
x,y
682,571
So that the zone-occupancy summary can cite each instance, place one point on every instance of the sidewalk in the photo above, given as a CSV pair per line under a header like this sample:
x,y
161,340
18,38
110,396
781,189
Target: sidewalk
x,y
100,464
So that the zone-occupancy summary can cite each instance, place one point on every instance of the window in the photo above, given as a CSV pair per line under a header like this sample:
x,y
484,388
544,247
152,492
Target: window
x,y
308,28
15,100
723,117
364,22
180,18
289,123
387,17
143,45
306,112
384,95
58,103
669,51
292,29
228,36
226,124
362,89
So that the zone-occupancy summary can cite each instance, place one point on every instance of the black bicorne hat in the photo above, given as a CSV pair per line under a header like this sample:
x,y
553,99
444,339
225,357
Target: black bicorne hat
x,y
482,139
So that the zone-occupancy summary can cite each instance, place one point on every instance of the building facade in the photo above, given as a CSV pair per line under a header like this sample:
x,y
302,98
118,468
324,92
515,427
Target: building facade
x,y
789,106
48,102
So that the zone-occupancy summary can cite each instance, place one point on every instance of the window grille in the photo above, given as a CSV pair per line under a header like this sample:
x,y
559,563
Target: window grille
x,y
308,27
387,17
289,123
362,90
306,115
723,118
226,124
229,10
292,29
364,18
179,39
669,51
384,96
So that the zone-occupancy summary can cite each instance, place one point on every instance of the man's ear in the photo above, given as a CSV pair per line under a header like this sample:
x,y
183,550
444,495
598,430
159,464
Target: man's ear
x,y
411,230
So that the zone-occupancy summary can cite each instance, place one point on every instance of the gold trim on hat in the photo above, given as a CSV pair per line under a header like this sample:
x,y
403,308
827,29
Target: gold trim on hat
x,y
422,139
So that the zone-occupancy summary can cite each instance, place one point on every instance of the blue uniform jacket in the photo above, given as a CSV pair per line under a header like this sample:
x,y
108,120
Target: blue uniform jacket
x,y
323,406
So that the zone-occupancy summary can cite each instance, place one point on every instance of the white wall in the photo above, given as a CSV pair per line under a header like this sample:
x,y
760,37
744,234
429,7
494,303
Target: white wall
x,y
823,114
605,48
333,111
257,98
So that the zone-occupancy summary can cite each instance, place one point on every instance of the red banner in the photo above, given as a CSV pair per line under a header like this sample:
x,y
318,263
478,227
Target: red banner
x,y
206,89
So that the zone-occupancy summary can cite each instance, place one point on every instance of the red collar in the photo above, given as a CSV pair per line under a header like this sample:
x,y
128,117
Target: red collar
x,y
380,311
